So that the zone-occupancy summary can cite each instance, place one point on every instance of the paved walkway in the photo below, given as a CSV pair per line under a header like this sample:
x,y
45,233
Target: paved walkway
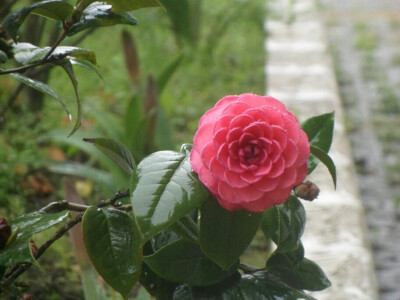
x,y
300,73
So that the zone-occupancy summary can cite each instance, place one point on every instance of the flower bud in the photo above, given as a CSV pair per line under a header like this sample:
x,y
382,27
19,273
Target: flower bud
x,y
5,232
307,191
33,247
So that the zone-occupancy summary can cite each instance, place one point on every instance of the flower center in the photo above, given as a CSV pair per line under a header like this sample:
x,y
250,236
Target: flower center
x,y
251,153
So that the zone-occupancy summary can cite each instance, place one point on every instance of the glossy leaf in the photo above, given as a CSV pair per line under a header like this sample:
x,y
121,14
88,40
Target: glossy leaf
x,y
54,9
326,160
261,285
163,238
224,235
86,64
319,130
41,87
297,271
157,286
116,151
27,226
164,189
67,66
183,261
26,53
187,229
285,224
113,243
129,5
99,14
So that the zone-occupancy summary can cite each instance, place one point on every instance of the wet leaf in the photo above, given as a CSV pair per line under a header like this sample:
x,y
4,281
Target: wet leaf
x,y
285,224
164,189
116,151
41,87
54,9
99,14
326,160
67,66
261,285
26,53
319,130
183,261
27,226
297,271
113,243
224,235
129,5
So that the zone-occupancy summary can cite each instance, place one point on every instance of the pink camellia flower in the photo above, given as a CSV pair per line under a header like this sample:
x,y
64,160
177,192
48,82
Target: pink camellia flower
x,y
250,151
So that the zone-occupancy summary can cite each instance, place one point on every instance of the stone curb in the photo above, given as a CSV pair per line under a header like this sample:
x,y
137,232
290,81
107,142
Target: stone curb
x,y
300,72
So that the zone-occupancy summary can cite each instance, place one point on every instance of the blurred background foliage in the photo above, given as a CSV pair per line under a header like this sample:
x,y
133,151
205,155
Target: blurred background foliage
x,y
158,78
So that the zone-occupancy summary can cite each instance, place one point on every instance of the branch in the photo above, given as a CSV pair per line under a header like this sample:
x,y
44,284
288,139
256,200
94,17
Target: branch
x,y
22,267
44,60
53,207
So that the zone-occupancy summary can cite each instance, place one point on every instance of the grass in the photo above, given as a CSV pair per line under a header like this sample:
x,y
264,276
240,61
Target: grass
x,y
366,39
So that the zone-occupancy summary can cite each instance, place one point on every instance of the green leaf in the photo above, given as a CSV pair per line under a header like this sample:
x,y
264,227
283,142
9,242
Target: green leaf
x,y
183,261
163,132
185,17
99,14
116,151
26,53
285,224
297,271
163,238
166,74
3,57
113,243
187,229
164,189
224,235
326,160
319,130
67,66
261,285
27,225
157,286
129,5
76,169
41,87
86,64
54,9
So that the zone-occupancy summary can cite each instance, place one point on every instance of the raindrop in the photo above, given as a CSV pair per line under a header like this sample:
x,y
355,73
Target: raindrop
x,y
70,117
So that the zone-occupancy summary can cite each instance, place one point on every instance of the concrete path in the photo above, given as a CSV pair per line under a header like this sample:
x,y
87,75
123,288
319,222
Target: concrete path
x,y
300,73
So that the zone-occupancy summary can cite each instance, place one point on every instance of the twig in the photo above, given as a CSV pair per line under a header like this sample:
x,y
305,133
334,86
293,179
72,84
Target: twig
x,y
44,60
22,267
55,207
112,201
